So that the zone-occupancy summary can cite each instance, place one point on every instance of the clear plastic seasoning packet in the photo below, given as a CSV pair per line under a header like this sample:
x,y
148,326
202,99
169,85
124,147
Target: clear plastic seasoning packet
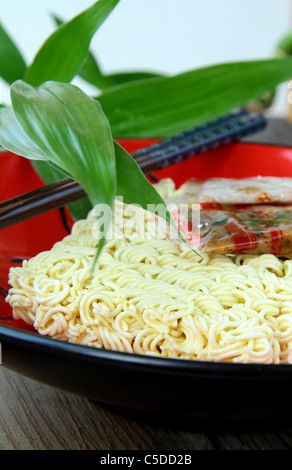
x,y
225,226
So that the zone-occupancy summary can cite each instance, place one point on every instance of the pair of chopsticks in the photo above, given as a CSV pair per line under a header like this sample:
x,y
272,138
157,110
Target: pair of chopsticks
x,y
152,158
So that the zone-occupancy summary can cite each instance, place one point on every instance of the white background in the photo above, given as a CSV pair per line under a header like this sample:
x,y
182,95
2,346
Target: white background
x,y
169,36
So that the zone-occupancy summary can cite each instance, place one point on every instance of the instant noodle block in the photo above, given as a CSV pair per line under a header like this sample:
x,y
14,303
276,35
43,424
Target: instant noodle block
x,y
150,295
251,291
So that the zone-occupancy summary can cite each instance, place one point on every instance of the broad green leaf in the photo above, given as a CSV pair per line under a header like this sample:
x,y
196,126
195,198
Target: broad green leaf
x,y
135,189
284,48
78,209
14,139
132,184
58,122
12,64
115,79
91,72
162,107
72,130
62,54
139,191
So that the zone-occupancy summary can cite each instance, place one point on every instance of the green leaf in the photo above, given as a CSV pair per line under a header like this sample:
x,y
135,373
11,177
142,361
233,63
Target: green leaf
x,y
14,139
115,79
62,54
284,48
78,209
72,130
12,64
162,107
91,72
60,58
140,192
59,123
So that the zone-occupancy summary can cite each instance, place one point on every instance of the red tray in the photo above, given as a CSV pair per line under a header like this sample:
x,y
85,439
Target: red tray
x,y
105,375
25,240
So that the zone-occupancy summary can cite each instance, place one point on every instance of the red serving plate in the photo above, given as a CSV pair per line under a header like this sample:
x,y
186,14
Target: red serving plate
x,y
188,387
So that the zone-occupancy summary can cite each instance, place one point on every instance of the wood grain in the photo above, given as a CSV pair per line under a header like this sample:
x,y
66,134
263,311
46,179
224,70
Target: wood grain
x,y
34,416
38,417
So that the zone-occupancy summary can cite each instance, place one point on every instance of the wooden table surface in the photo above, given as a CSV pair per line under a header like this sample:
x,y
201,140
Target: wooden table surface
x,y
34,416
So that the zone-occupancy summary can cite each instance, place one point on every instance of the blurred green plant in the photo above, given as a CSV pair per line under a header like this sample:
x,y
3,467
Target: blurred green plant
x,y
41,118
137,104
283,50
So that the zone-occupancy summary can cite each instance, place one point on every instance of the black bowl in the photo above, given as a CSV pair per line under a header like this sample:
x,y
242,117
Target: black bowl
x,y
137,382
172,387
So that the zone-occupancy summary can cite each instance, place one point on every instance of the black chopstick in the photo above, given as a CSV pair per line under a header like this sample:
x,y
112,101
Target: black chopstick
x,y
199,131
152,158
35,194
199,140
46,202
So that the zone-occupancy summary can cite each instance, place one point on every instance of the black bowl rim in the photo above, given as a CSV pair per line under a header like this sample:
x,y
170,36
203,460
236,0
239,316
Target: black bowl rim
x,y
66,350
